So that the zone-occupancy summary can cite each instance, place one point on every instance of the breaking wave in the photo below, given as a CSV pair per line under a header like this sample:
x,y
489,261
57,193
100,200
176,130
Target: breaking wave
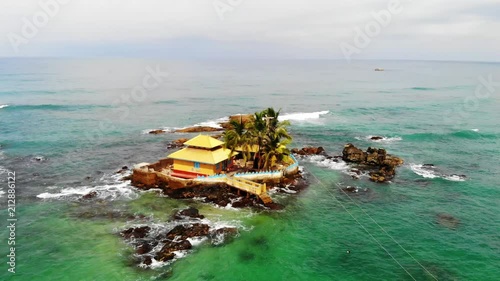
x,y
3,106
112,188
215,123
383,139
330,163
431,172
302,116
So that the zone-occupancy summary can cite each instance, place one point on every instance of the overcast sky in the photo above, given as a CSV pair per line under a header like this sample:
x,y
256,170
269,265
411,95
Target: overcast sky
x,y
424,29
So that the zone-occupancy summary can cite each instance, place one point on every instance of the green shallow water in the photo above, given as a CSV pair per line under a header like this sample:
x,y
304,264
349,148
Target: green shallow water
x,y
391,231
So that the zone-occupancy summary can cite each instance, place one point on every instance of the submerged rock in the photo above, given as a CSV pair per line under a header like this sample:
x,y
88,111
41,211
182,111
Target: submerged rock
x,y
376,138
447,220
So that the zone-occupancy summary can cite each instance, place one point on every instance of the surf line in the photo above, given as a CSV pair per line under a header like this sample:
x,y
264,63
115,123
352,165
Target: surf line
x,y
367,231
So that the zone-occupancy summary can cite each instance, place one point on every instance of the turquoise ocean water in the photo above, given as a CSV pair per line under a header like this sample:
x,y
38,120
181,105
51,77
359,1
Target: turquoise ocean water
x,y
66,126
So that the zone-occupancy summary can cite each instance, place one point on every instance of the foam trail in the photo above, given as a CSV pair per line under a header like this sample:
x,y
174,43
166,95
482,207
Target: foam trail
x,y
111,189
421,171
384,139
213,123
430,172
322,161
3,106
302,116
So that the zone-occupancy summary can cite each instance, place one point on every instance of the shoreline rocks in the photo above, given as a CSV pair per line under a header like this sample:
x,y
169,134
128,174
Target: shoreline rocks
x,y
162,243
373,157
177,143
198,129
309,150
157,132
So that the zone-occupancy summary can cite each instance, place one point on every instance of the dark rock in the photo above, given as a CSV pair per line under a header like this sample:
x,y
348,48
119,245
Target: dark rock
x,y
147,260
164,256
376,138
189,212
351,189
177,143
356,171
353,154
222,235
143,248
309,150
428,165
198,129
374,157
90,195
185,232
138,232
166,253
157,132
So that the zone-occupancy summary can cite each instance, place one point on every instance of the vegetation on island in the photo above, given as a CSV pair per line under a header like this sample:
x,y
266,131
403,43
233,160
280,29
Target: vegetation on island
x,y
262,138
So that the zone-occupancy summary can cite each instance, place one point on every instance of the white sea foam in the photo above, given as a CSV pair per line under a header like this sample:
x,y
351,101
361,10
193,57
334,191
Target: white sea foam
x,y
454,178
431,172
384,139
302,116
112,188
475,130
213,123
322,161
3,106
1,193
424,171
3,170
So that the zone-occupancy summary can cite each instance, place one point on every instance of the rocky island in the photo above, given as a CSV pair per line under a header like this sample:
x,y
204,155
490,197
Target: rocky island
x,y
233,169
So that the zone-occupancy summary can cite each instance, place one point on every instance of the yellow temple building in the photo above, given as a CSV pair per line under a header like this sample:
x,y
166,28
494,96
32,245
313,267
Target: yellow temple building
x,y
202,156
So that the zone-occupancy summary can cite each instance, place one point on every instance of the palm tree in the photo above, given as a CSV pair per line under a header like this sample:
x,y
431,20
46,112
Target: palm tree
x,y
237,136
268,132
264,131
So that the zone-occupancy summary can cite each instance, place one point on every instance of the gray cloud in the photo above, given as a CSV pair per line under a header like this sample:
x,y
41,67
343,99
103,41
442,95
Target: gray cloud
x,y
427,29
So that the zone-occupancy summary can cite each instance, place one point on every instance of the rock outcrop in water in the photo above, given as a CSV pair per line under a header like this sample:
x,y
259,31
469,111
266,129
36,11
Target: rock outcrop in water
x,y
157,132
309,150
164,243
198,129
373,157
